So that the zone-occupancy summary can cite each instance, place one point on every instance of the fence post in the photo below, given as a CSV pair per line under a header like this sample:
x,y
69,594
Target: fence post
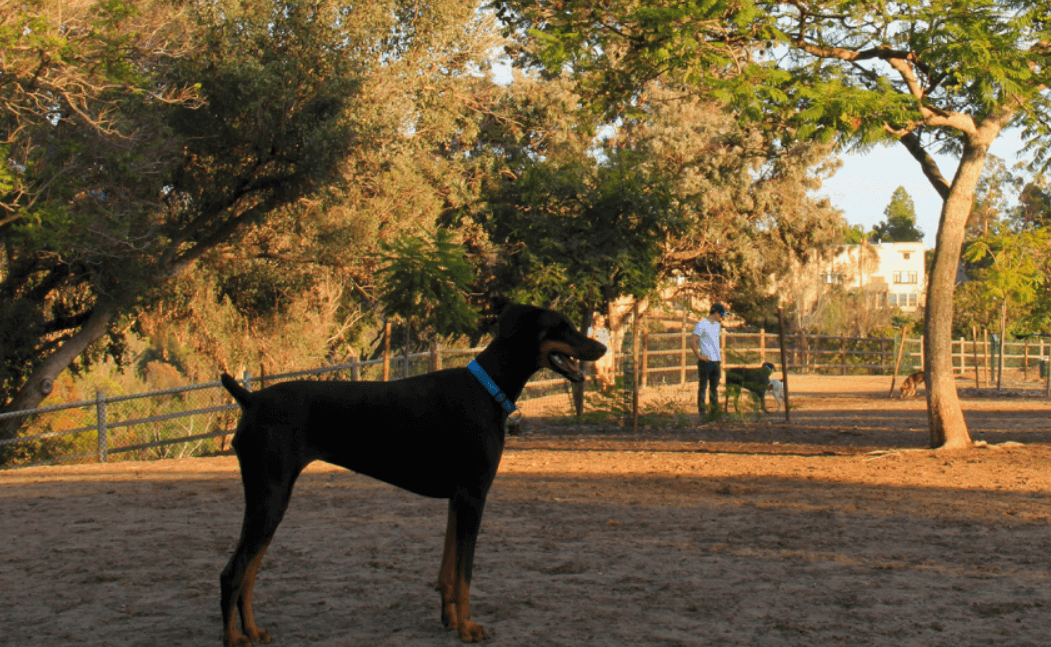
x,y
974,355
897,362
722,351
355,370
386,351
246,380
843,354
1025,361
1003,346
437,356
784,358
645,359
985,356
682,367
635,368
762,346
100,419
405,353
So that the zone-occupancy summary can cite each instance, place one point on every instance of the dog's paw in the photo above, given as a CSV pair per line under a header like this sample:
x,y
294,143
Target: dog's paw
x,y
239,640
258,636
471,632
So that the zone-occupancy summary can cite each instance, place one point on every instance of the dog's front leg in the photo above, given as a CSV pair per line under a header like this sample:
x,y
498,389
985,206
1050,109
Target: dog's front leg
x,y
447,573
454,580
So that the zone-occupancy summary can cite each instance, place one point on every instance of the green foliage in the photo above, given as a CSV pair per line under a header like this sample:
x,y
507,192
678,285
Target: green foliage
x,y
1034,205
900,225
579,232
425,283
819,69
1016,271
1011,266
146,135
855,234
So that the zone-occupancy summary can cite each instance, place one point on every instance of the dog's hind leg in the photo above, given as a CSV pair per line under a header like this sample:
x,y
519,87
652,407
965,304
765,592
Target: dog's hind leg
x,y
265,503
454,579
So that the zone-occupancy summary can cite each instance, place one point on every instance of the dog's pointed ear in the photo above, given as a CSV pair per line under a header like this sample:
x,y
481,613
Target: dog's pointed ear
x,y
511,317
497,304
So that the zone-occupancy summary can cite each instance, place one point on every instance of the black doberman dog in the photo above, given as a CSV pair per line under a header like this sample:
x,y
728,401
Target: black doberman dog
x,y
439,435
756,380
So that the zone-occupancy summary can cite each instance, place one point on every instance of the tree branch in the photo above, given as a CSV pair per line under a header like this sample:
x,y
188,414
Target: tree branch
x,y
930,169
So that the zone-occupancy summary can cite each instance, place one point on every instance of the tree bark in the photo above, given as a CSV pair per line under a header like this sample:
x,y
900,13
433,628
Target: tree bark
x,y
948,429
38,385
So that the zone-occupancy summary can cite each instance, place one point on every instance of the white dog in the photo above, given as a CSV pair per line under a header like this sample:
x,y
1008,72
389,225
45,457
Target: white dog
x,y
777,389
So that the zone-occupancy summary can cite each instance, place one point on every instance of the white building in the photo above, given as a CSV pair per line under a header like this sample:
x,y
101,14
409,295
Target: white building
x,y
893,272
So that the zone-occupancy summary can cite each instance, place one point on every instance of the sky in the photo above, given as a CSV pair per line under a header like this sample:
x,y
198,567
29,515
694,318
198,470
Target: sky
x,y
864,184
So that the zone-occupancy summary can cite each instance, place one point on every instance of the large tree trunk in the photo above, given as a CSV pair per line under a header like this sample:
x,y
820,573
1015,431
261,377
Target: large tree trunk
x,y
38,385
944,414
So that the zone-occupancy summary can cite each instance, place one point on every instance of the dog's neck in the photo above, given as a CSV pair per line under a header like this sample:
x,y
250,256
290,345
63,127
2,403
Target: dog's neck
x,y
506,363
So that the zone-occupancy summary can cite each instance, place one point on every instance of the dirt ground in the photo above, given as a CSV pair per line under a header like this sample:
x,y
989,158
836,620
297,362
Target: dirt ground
x,y
837,528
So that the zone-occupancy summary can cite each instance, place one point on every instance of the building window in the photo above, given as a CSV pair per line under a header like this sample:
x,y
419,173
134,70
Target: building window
x,y
832,278
913,300
892,300
906,255
906,277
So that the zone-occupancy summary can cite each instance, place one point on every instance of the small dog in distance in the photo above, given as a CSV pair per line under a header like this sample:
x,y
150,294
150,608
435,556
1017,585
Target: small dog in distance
x,y
777,389
908,387
755,380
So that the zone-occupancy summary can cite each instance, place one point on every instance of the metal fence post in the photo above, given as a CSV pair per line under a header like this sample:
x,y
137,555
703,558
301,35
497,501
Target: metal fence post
x,y
100,418
246,381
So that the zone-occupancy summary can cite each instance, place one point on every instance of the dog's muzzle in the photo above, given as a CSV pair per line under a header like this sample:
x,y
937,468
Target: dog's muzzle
x,y
562,358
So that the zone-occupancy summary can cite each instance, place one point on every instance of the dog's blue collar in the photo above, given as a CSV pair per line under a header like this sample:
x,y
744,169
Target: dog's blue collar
x,y
491,386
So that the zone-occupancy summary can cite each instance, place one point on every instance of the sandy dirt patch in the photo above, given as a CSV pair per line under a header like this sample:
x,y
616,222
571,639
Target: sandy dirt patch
x,y
837,528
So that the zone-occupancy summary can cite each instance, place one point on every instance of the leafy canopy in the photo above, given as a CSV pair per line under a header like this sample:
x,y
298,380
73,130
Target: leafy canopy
x,y
425,283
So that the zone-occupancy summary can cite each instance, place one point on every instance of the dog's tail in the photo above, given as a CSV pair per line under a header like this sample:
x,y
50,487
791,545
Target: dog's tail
x,y
241,394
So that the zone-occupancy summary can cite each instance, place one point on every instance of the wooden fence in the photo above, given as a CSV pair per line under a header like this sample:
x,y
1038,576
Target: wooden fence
x,y
665,358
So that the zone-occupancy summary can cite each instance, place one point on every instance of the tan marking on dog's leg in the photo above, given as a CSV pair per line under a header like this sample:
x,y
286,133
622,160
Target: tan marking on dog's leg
x,y
447,573
254,633
470,631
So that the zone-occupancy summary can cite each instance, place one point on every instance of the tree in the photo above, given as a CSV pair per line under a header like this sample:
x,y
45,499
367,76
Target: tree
x,y
580,232
165,181
1013,277
927,75
1034,205
426,283
900,225
991,199
416,117
856,234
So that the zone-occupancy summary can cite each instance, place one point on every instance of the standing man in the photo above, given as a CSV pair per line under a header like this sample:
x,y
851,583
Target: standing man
x,y
705,345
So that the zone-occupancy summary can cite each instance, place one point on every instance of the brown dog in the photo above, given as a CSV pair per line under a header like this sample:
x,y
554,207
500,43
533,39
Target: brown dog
x,y
908,387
